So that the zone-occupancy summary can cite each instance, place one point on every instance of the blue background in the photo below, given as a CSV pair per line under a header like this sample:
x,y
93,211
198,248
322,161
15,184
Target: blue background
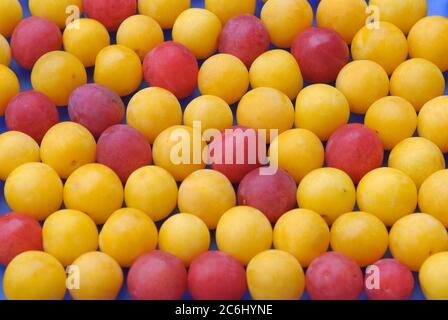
x,y
435,7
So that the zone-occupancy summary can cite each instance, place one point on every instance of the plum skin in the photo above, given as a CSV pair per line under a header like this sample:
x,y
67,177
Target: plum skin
x,y
111,13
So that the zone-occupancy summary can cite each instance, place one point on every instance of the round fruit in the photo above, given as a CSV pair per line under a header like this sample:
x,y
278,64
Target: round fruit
x,y
16,148
66,147
433,277
433,121
10,15
164,12
215,275
209,204
393,118
157,275
140,192
275,275
110,13
31,112
225,10
60,12
56,74
10,87
67,234
5,51
18,233
415,237
334,276
303,233
127,234
34,189
433,196
34,275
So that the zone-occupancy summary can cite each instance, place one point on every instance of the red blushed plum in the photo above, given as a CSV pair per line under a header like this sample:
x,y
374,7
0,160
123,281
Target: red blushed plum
x,y
389,279
355,149
216,275
334,276
96,108
321,53
111,13
31,112
173,67
236,152
245,37
157,276
32,38
124,150
272,194
18,233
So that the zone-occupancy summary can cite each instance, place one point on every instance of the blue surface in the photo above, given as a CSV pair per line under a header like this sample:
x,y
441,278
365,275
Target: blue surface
x,y
435,7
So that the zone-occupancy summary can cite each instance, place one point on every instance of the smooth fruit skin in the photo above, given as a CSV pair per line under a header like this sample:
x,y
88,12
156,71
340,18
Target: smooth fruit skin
x,y
298,151
284,19
164,12
127,234
179,150
321,54
185,236
67,234
96,107
416,237
361,236
124,150
56,11
140,33
225,76
140,193
345,17
118,68
275,275
266,108
277,69
245,37
215,275
243,232
327,191
10,15
355,149
433,277
243,145
56,74
417,157
100,277
5,51
16,148
110,13
394,118
211,112
272,194
67,146
395,281
85,38
230,8
334,276
34,189
10,87
209,204
94,189
157,275
433,196
427,40
198,30
387,193
173,67
433,122
34,275
322,109
385,45
303,233
402,13
32,38
363,82
18,233
418,81
31,112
